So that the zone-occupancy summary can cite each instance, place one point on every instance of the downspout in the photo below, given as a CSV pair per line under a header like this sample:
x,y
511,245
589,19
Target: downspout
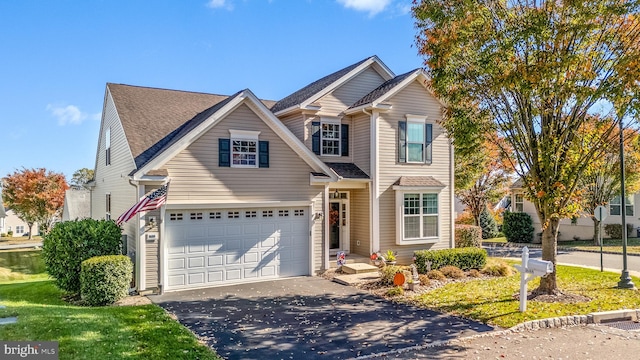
x,y
138,267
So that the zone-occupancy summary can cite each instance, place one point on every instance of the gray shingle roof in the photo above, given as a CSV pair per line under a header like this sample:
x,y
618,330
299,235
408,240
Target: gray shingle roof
x,y
308,91
381,90
418,181
348,170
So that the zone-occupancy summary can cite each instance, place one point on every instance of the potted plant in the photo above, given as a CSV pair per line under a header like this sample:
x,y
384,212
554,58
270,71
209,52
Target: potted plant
x,y
376,259
390,257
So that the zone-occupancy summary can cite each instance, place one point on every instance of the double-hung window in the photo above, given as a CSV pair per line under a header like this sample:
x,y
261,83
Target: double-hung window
x,y
107,146
415,136
519,203
418,216
616,209
107,203
243,150
330,137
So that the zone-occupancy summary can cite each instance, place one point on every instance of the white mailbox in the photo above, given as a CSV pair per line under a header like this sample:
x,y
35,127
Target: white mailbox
x,y
539,267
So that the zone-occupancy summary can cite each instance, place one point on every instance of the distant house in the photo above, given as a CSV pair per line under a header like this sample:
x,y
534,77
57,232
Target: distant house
x,y
354,162
580,227
11,222
77,204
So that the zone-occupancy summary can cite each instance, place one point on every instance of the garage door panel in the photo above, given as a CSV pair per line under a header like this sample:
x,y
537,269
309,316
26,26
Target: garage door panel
x,y
216,247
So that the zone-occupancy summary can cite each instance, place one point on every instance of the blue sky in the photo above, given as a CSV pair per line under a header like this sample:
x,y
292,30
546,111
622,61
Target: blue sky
x,y
57,56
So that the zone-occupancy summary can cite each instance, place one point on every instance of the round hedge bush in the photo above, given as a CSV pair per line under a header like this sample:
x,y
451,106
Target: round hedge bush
x,y
105,279
69,243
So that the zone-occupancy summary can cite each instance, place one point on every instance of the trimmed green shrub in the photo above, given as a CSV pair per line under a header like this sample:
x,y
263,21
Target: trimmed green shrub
x,y
614,231
70,243
468,236
517,227
488,225
435,275
105,279
463,258
452,272
388,272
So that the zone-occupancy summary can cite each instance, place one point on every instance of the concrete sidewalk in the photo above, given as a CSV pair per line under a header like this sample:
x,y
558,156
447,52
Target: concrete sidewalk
x,y
26,245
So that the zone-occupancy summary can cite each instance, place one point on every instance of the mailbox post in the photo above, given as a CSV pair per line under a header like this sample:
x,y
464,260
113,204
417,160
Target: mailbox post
x,y
533,267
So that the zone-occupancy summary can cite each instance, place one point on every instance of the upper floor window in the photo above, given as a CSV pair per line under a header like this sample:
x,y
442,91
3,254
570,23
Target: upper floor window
x,y
107,146
107,202
519,203
616,209
330,137
243,150
415,136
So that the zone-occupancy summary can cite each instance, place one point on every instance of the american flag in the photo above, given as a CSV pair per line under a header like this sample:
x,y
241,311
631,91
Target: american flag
x,y
148,202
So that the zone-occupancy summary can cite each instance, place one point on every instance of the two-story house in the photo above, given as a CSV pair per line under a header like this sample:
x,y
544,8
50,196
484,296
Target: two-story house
x,y
354,162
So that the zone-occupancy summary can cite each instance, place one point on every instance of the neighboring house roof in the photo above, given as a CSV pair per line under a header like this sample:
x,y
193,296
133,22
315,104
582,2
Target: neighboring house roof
x,y
418,181
77,203
319,87
348,170
518,184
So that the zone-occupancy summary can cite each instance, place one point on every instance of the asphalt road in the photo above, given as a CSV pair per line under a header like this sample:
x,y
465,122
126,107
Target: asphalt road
x,y
611,262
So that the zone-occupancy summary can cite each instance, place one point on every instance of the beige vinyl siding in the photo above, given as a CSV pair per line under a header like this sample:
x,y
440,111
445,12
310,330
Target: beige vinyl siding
x,y
152,253
196,176
413,99
360,219
348,93
361,142
317,230
114,178
295,124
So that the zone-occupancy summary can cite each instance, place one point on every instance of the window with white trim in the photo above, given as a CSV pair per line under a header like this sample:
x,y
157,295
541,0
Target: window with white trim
x,y
107,203
417,215
616,209
244,148
19,229
107,146
415,136
330,137
519,203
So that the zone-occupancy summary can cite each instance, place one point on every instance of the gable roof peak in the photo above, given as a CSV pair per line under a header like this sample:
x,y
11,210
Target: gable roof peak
x,y
314,90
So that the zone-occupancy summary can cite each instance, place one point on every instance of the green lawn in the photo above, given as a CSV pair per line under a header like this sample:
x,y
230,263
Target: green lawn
x,y
611,245
492,301
112,332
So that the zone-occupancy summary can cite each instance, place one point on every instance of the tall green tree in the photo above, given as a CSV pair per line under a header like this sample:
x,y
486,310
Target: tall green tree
x,y
81,177
533,70
35,195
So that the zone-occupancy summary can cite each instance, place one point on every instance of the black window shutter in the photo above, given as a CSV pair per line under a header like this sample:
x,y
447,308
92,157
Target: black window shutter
x,y
224,152
402,141
263,154
427,144
344,139
315,137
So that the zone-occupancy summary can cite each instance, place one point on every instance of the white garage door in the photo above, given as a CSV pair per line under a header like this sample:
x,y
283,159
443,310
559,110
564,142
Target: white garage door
x,y
219,247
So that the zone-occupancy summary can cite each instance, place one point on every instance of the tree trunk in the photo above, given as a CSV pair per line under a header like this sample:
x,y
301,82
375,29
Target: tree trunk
x,y
596,231
548,284
30,229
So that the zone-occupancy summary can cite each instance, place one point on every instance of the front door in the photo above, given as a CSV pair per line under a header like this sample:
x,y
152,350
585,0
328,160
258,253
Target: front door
x,y
338,222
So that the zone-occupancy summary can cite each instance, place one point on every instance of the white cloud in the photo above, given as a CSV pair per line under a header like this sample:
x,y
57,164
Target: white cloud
x,y
217,4
371,6
70,114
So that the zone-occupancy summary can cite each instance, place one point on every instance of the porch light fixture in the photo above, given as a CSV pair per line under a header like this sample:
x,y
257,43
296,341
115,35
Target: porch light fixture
x,y
336,194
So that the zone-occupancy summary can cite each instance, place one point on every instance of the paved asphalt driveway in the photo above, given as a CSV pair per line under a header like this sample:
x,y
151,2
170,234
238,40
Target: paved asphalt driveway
x,y
306,318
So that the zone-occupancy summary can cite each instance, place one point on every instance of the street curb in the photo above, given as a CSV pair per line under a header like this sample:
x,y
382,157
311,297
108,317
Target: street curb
x,y
539,246
557,322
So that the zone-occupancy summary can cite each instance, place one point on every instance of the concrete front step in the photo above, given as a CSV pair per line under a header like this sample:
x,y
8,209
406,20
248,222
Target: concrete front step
x,y
355,279
359,268
350,259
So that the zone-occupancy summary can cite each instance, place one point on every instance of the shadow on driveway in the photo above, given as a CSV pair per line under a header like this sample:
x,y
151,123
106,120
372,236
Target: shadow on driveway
x,y
307,318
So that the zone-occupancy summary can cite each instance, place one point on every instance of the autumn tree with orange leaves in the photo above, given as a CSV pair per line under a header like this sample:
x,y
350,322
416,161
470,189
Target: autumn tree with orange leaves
x,y
35,195
489,182
533,71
